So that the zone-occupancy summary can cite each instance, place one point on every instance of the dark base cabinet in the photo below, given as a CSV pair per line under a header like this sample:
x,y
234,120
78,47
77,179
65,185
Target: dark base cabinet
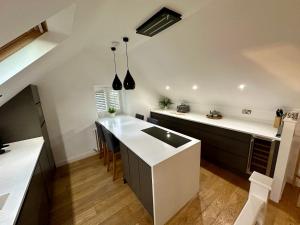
x,y
36,205
138,175
22,118
227,148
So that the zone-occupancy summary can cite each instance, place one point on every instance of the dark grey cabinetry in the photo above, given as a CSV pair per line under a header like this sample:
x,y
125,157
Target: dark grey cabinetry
x,y
134,172
138,175
125,162
35,207
225,147
22,118
145,194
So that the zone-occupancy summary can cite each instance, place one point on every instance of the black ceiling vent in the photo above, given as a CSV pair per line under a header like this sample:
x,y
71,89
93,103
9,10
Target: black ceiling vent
x,y
158,22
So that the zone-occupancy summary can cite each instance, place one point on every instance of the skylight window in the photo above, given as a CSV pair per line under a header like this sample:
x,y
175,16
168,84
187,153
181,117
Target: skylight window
x,y
23,40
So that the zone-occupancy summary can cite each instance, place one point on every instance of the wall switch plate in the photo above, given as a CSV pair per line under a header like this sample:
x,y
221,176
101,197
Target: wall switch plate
x,y
246,111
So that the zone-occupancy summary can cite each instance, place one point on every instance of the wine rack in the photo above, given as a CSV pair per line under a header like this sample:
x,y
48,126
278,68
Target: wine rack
x,y
263,156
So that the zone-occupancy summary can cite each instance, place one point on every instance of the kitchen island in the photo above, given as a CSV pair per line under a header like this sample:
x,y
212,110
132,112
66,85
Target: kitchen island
x,y
163,177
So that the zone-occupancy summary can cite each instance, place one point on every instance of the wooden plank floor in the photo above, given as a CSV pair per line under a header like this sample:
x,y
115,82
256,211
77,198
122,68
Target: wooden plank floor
x,y
84,193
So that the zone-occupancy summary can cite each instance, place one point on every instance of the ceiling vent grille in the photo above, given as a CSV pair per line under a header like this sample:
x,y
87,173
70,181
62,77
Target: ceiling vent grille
x,y
163,19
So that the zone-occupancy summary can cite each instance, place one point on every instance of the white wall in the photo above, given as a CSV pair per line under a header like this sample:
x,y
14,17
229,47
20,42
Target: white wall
x,y
68,101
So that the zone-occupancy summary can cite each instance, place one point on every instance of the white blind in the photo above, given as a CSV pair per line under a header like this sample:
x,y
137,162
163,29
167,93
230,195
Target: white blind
x,y
106,98
114,99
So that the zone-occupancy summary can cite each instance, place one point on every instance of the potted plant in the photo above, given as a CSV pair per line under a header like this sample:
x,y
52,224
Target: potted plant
x,y
112,111
165,102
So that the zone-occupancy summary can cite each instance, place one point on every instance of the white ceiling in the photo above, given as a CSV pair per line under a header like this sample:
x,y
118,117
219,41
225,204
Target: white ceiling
x,y
222,45
218,45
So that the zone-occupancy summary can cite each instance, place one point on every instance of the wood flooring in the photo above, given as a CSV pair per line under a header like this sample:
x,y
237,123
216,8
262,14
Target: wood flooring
x,y
84,193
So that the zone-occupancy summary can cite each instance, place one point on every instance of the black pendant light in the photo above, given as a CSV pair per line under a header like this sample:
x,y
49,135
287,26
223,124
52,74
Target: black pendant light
x,y
116,85
128,83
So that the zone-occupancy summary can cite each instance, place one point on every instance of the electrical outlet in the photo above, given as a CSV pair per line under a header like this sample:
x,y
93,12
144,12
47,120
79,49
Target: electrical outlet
x,y
246,111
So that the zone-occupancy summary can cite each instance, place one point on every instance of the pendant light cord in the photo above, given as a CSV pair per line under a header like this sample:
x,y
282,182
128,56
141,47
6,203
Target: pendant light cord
x,y
115,62
126,55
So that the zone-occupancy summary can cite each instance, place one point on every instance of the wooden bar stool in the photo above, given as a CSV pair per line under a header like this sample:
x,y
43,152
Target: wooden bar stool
x,y
113,147
296,176
101,143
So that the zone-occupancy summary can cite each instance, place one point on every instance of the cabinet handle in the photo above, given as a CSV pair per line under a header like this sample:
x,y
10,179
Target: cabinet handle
x,y
250,155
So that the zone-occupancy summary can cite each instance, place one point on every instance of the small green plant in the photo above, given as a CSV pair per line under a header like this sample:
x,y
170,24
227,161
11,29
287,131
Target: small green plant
x,y
165,102
111,110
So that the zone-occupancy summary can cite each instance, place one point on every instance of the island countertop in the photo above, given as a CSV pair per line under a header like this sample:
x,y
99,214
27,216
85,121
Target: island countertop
x,y
17,167
153,151
249,127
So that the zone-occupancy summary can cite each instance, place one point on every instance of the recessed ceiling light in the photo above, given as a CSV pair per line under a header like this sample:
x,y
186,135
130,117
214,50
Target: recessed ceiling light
x,y
167,87
195,87
242,87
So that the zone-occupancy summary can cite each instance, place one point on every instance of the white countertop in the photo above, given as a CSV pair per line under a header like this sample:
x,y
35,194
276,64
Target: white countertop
x,y
16,169
153,151
250,127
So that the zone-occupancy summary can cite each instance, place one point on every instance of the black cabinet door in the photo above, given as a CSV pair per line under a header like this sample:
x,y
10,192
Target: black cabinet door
x,y
33,202
19,118
225,147
134,181
46,172
146,196
48,148
138,176
125,162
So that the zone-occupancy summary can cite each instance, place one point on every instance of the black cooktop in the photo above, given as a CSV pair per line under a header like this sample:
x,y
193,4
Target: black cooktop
x,y
166,136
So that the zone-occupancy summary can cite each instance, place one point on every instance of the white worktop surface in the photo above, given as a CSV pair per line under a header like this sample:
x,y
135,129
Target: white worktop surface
x,y
250,127
16,169
153,151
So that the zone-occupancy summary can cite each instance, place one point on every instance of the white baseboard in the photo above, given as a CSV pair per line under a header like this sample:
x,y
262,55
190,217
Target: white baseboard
x,y
76,158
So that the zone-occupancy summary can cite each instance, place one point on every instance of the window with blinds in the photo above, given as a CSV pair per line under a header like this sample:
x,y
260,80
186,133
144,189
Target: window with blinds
x,y
106,98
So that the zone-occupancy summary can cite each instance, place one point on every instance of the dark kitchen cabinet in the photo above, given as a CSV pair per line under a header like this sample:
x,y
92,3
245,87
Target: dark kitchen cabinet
x,y
224,147
35,206
46,172
134,180
138,175
125,162
48,149
22,118
145,195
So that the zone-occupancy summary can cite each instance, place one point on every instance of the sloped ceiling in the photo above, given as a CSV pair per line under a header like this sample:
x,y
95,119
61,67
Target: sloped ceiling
x,y
96,24
224,44
217,46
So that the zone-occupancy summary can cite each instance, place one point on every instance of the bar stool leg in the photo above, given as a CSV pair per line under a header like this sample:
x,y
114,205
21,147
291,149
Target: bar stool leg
x,y
108,161
114,167
104,154
100,144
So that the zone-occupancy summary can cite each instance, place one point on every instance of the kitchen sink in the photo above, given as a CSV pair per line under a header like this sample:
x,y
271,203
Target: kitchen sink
x,y
3,199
